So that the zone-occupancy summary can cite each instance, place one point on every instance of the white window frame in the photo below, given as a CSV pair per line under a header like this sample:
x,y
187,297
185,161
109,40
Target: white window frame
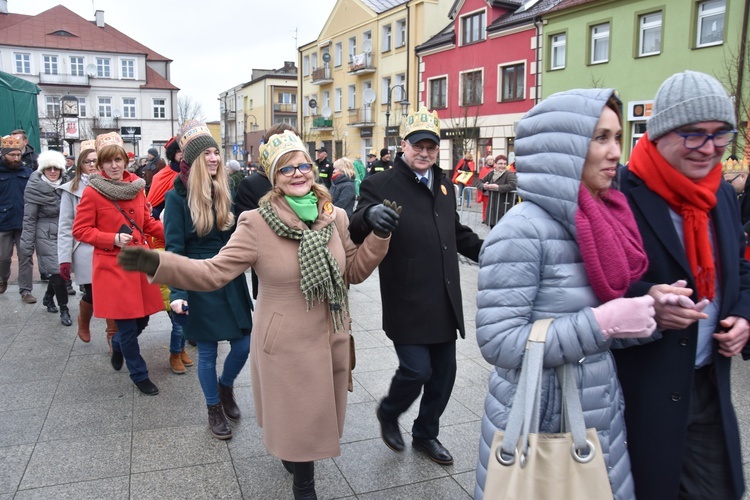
x,y
325,99
481,14
22,63
352,46
128,107
558,44
338,54
708,13
104,107
400,33
314,61
52,105
599,38
338,100
501,80
81,107
124,69
399,94
51,64
461,86
159,107
351,96
385,86
103,67
306,65
385,38
77,66
444,103
644,27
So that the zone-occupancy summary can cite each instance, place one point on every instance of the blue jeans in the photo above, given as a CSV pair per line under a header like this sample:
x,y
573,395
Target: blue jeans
x,y
176,338
232,365
126,341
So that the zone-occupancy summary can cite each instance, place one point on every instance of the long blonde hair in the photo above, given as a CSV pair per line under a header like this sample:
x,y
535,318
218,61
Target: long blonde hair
x,y
206,209
320,192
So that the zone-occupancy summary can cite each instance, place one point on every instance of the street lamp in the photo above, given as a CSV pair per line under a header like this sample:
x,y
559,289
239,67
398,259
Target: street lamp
x,y
254,126
404,110
131,132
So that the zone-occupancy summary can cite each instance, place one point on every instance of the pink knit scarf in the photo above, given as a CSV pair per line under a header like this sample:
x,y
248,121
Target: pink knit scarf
x,y
610,243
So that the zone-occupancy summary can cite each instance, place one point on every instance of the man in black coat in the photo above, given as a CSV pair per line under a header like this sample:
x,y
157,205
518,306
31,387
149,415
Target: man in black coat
x,y
325,167
381,165
683,437
420,286
28,155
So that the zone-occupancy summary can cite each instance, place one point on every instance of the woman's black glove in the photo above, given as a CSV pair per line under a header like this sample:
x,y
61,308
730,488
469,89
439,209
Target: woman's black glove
x,y
383,218
139,259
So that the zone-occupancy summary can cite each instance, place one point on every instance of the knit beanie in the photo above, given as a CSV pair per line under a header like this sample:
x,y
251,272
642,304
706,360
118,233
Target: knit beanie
x,y
194,138
233,165
686,98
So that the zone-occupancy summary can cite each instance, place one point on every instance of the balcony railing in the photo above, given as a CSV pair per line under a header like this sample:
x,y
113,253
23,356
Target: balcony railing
x,y
321,122
361,117
360,64
322,76
285,107
63,79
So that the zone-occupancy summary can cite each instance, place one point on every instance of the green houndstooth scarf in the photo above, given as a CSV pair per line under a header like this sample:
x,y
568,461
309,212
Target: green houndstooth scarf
x,y
321,277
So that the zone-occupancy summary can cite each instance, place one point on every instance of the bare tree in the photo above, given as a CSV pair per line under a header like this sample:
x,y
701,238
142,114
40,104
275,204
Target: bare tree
x,y
188,109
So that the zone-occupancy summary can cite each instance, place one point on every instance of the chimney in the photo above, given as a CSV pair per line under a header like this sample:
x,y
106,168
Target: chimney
x,y
99,15
3,6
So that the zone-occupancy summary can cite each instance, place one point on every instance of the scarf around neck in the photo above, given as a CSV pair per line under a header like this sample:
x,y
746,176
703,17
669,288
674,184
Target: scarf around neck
x,y
321,277
116,190
692,200
610,243
306,207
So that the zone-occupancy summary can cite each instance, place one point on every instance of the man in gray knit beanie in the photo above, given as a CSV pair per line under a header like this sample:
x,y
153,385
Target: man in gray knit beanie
x,y
683,437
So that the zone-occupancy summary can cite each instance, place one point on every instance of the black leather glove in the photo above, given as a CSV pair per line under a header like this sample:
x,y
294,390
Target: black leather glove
x,y
139,259
383,218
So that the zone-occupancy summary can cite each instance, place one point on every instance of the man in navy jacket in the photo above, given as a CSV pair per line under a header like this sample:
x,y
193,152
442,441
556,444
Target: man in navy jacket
x,y
683,436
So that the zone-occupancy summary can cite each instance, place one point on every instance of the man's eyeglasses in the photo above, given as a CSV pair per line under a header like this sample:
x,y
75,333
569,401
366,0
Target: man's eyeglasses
x,y
88,162
430,149
303,168
696,140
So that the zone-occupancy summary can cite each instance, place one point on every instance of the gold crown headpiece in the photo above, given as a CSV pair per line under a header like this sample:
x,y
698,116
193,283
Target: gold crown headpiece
x,y
421,121
276,146
88,144
110,139
190,130
10,142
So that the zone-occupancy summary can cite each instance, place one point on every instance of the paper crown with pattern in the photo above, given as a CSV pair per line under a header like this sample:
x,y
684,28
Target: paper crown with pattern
x,y
424,122
88,144
276,146
10,143
110,139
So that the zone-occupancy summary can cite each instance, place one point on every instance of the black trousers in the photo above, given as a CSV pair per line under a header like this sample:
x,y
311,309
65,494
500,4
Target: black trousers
x,y
57,287
432,367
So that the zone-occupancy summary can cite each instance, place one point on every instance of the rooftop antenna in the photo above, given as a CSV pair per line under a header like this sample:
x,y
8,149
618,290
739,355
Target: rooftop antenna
x,y
295,37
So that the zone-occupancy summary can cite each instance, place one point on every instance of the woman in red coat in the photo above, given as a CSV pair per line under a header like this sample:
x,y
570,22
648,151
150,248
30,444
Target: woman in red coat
x,y
112,214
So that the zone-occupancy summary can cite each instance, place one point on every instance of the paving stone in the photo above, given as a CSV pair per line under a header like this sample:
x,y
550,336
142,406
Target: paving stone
x,y
14,460
97,418
443,488
115,488
175,447
467,480
21,426
200,482
25,395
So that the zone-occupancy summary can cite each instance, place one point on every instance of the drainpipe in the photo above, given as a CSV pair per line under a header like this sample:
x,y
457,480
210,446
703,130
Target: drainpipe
x,y
408,51
537,86
741,75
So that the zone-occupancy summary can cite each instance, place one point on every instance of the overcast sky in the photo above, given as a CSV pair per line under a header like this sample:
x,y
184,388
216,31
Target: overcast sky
x,y
214,44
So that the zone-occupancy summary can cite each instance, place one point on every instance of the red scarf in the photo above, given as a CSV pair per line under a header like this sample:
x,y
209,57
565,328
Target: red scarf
x,y
610,243
693,200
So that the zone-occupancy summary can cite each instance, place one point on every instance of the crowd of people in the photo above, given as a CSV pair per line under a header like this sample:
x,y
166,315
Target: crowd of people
x,y
641,266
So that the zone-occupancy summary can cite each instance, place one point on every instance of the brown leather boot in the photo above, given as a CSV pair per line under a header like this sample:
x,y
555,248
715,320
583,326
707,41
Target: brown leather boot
x,y
85,312
217,422
185,358
226,396
175,361
111,331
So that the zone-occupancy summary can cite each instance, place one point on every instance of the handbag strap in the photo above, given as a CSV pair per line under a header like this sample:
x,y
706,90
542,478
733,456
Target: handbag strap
x,y
572,417
130,219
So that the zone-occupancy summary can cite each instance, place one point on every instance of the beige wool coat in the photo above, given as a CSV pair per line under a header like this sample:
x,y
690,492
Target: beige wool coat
x,y
299,366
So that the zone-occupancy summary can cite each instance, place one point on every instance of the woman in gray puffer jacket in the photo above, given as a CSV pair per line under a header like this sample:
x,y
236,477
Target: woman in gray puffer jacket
x,y
569,252
40,219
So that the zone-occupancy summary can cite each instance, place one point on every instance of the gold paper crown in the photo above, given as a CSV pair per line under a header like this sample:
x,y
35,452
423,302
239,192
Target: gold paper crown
x,y
88,144
10,142
421,121
190,130
110,139
277,145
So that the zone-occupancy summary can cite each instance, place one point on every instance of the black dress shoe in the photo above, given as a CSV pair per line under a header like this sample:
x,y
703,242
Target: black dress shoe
x,y
434,450
147,387
116,359
390,432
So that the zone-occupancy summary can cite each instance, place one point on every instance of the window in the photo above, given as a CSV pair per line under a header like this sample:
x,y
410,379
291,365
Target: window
x,y
160,108
351,96
399,93
438,93
386,88
472,28
600,43
23,63
557,56
306,65
338,98
366,37
128,69
325,100
649,40
128,107
50,65
313,62
352,46
513,80
82,107
305,106
76,66
386,38
287,98
471,88
400,33
338,54
102,67
711,22
52,103
105,107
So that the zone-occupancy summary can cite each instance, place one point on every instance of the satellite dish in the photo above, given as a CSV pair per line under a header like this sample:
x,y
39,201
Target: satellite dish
x,y
326,57
91,69
367,46
369,96
312,103
325,112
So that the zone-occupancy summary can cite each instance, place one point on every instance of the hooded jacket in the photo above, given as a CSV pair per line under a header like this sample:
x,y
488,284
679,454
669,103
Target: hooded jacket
x,y
531,268
40,218
80,255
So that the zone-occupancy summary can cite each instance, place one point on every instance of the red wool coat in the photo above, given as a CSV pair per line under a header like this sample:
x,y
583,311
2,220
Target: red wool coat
x,y
118,294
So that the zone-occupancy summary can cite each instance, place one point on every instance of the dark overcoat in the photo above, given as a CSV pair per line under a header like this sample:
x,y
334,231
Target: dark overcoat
x,y
657,377
420,284
223,314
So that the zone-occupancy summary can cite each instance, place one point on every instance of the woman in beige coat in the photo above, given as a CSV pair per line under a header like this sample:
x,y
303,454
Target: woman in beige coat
x,y
298,243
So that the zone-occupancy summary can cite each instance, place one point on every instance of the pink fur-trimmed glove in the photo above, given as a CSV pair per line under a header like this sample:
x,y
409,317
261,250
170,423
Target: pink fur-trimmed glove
x,y
626,318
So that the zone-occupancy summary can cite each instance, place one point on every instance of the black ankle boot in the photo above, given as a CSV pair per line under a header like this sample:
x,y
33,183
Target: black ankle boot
x,y
64,316
303,486
49,302
226,396
217,421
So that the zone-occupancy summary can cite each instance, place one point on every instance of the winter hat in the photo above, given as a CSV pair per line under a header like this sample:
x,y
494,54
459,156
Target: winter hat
x,y
51,159
233,165
194,138
686,98
171,149
153,152
384,151
10,143
278,145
